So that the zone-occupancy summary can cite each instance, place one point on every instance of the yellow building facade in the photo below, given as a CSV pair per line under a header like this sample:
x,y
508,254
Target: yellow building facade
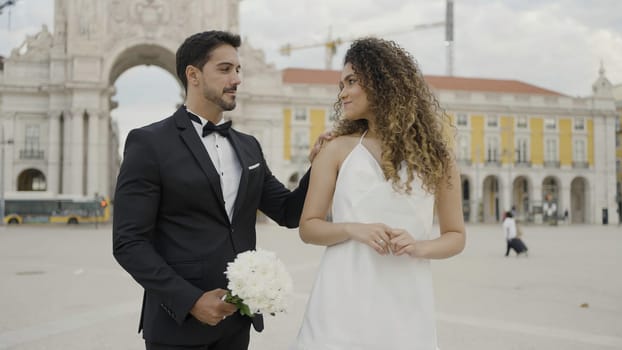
x,y
544,155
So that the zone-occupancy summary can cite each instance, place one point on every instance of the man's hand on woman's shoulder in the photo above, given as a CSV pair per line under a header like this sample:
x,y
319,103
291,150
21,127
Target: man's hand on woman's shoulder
x,y
321,140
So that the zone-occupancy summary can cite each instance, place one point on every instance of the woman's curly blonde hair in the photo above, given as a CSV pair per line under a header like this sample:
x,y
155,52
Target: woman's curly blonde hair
x,y
410,123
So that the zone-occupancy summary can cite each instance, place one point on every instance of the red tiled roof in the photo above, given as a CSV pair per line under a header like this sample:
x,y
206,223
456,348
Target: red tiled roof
x,y
331,77
311,76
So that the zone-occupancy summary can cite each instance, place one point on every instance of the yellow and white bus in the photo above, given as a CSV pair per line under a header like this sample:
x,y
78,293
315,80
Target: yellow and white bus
x,y
33,207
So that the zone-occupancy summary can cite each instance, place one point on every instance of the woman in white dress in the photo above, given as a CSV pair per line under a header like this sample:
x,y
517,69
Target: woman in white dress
x,y
384,175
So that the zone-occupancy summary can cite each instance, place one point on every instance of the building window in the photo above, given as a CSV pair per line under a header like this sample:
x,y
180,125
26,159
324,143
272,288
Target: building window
x,y
550,150
31,148
462,119
463,148
300,114
300,145
301,138
32,138
492,121
521,122
522,150
492,150
579,124
579,151
550,124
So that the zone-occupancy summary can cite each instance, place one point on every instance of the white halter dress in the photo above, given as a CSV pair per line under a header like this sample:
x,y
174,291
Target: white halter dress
x,y
362,300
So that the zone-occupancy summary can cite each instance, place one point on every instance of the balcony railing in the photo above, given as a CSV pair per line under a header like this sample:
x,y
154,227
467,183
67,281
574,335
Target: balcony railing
x,y
465,162
551,163
521,163
31,154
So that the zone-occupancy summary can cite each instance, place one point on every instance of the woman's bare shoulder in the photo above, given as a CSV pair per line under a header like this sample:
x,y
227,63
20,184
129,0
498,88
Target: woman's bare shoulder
x,y
341,144
337,149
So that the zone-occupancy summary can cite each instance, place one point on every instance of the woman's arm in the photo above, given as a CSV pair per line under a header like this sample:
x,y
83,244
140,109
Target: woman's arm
x,y
451,222
314,228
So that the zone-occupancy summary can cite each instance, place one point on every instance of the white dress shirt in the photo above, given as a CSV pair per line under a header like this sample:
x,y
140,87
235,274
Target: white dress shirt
x,y
225,161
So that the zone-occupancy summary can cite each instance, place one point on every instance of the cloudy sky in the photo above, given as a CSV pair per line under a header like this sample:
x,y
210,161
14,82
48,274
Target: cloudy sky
x,y
553,44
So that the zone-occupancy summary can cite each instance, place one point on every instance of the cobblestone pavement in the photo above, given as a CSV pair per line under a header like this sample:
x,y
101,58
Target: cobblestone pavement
x,y
61,289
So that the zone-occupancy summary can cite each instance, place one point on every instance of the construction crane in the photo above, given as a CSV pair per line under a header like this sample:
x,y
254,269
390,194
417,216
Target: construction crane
x,y
4,4
331,45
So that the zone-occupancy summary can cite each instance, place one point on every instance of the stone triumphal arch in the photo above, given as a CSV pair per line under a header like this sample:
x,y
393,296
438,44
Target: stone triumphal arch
x,y
56,87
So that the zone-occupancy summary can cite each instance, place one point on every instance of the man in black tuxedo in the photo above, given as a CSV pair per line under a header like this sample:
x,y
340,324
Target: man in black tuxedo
x,y
186,201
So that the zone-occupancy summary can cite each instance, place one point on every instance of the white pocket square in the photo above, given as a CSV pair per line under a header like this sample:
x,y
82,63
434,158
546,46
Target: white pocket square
x,y
254,166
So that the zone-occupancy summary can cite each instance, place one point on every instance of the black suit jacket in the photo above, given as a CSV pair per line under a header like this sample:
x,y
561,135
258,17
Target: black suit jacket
x,y
171,231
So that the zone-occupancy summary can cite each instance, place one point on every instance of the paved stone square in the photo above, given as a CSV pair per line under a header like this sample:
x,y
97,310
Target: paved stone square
x,y
61,289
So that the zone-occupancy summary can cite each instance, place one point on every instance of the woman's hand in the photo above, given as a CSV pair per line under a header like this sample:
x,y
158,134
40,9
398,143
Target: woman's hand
x,y
403,243
374,235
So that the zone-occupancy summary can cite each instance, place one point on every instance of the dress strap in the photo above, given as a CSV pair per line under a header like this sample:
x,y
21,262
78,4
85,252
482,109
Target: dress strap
x,y
362,137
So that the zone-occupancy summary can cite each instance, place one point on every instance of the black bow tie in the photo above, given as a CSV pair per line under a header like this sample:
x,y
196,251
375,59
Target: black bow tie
x,y
222,129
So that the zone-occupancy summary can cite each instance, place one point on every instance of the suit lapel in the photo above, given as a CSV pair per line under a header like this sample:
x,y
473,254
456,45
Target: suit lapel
x,y
189,136
236,144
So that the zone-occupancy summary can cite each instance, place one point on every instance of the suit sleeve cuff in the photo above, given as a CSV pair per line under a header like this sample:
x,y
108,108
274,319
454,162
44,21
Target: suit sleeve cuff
x,y
184,303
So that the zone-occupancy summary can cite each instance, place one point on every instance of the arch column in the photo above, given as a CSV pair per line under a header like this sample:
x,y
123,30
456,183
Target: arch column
x,y
106,163
536,198
66,152
564,203
507,195
73,177
54,144
476,196
93,150
537,191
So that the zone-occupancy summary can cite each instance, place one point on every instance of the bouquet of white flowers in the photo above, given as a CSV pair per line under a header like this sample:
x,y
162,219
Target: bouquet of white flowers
x,y
258,283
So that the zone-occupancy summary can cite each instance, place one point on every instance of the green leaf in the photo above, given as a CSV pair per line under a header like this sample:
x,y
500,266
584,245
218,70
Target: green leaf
x,y
239,303
245,310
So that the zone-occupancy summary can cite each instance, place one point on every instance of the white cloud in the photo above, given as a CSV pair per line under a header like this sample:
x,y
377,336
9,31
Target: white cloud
x,y
553,44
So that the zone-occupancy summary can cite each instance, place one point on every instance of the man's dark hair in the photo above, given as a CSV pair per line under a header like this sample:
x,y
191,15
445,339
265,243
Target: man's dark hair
x,y
197,48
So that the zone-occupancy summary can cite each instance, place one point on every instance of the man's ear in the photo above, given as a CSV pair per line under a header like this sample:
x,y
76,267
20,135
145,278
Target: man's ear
x,y
192,75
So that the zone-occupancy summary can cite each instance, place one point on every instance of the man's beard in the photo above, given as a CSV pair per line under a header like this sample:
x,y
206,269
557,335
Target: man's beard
x,y
226,106
219,100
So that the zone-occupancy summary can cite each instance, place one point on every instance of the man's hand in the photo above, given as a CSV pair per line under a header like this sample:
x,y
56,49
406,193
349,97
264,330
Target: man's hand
x,y
211,309
326,136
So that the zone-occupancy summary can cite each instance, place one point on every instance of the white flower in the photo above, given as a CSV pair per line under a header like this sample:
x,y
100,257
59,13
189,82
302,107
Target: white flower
x,y
258,283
